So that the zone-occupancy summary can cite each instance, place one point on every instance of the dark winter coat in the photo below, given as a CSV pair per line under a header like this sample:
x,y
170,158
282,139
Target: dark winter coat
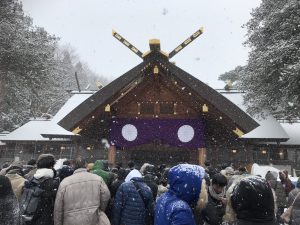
x,y
150,181
174,207
44,214
253,202
243,222
114,187
65,171
9,207
214,211
129,207
278,188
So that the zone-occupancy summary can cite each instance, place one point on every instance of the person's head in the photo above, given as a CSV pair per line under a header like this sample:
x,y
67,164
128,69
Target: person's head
x,y
252,200
31,162
5,187
133,174
242,170
162,167
150,169
207,163
131,165
16,168
185,181
121,174
5,165
90,167
45,161
164,176
119,165
79,163
282,176
105,165
271,176
67,163
218,183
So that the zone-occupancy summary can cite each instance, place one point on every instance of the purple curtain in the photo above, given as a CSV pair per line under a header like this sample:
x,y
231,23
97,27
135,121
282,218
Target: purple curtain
x,y
187,133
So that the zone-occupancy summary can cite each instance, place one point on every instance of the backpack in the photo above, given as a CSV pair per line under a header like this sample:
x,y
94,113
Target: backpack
x,y
149,206
31,198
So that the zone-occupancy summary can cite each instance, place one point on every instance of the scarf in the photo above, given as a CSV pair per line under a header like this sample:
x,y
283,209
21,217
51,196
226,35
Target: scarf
x,y
214,194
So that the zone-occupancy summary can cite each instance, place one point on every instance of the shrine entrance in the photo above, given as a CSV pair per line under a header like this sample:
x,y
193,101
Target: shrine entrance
x,y
157,154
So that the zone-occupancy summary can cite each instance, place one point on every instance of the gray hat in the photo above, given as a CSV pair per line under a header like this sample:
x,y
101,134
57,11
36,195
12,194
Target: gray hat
x,y
271,175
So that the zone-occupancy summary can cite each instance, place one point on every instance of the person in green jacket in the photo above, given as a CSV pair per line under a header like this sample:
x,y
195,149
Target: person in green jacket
x,y
99,170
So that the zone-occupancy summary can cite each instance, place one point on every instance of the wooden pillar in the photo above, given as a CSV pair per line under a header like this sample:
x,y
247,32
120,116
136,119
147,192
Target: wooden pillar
x,y
126,156
112,151
201,156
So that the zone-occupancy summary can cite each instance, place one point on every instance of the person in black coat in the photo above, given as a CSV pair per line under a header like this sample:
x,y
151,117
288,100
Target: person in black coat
x,y
253,202
9,207
66,170
121,174
48,182
214,210
150,179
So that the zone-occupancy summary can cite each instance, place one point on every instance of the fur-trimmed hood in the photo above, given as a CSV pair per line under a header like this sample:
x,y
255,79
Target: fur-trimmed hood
x,y
46,173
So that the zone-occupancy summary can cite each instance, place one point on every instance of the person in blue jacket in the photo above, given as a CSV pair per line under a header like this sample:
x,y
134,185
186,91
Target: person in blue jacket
x,y
174,207
133,202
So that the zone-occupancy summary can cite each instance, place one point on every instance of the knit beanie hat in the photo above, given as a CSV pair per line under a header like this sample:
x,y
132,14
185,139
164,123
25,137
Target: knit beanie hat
x,y
271,175
45,161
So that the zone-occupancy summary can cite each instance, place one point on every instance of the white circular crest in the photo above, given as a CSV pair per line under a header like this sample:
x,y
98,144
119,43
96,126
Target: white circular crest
x,y
186,133
129,132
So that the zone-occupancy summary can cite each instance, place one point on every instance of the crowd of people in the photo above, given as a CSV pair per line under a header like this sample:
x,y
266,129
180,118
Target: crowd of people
x,y
93,194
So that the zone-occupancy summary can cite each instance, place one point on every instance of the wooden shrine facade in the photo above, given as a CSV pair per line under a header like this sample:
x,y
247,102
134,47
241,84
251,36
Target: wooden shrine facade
x,y
158,90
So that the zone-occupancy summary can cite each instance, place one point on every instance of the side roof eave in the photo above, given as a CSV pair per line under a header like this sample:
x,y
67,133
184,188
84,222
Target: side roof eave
x,y
242,119
99,98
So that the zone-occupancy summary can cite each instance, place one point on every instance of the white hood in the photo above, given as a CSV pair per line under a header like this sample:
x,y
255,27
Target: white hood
x,y
132,174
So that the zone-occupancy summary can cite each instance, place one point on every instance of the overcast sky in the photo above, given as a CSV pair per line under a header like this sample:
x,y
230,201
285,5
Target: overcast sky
x,y
87,25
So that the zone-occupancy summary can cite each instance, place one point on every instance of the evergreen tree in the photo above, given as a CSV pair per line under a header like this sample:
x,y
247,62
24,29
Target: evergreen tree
x,y
271,78
35,72
232,76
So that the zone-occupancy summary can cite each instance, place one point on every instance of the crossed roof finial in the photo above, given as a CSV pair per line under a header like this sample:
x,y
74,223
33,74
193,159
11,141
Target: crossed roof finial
x,y
170,55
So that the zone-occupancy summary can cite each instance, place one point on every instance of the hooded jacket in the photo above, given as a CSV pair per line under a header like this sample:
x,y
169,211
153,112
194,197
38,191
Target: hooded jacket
x,y
98,169
174,207
129,208
253,202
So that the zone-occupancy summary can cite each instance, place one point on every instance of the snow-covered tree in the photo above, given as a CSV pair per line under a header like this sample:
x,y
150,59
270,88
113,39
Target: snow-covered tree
x,y
26,60
232,76
35,71
271,78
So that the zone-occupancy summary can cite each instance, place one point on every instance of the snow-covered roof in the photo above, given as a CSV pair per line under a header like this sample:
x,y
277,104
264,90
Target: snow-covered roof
x,y
32,131
293,131
38,130
269,127
71,104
